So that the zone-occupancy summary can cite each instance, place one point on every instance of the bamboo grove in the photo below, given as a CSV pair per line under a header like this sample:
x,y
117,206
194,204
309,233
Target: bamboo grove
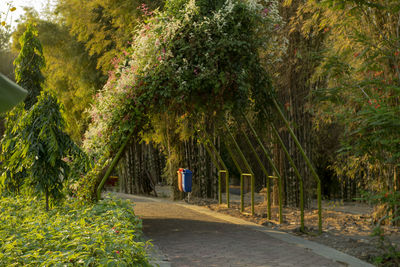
x,y
297,97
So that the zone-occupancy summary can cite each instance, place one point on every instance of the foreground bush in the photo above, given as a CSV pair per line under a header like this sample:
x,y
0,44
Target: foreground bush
x,y
103,234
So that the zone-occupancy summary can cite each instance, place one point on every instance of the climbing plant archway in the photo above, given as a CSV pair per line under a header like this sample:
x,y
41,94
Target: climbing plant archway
x,y
187,67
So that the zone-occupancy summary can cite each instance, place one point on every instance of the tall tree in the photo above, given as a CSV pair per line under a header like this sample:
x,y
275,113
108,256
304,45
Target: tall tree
x,y
105,27
70,72
44,147
29,64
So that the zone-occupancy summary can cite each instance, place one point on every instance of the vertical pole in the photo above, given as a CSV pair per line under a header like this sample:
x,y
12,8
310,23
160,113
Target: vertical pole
x,y
241,193
240,170
227,187
252,194
269,199
223,167
278,137
215,162
308,162
219,188
275,171
264,171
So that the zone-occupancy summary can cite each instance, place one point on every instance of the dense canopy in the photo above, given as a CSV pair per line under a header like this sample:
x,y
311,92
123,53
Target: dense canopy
x,y
189,62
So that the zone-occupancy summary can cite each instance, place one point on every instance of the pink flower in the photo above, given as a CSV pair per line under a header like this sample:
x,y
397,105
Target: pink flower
x,y
265,11
118,252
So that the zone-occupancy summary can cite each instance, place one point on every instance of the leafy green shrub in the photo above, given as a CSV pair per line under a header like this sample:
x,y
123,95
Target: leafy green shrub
x,y
107,233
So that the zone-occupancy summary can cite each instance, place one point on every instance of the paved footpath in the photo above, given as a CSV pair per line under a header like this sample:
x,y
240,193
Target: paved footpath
x,y
189,235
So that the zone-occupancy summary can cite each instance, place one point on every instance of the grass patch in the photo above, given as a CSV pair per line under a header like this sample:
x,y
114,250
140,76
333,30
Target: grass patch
x,y
73,234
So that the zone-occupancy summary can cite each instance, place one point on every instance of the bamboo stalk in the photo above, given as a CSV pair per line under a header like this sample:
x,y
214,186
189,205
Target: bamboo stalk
x,y
308,162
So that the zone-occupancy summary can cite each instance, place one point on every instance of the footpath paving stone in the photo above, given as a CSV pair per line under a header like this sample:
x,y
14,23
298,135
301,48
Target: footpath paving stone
x,y
190,238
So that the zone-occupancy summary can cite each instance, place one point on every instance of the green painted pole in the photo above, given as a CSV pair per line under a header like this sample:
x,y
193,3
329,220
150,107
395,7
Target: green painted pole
x,y
223,167
114,163
308,162
275,170
219,188
227,173
215,162
278,137
226,185
247,166
255,154
264,170
240,171
216,153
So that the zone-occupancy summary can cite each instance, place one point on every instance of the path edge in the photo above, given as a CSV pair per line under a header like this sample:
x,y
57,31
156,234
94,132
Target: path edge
x,y
317,248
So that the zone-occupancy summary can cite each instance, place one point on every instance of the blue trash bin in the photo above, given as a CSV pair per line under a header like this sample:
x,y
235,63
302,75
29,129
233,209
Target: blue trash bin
x,y
187,180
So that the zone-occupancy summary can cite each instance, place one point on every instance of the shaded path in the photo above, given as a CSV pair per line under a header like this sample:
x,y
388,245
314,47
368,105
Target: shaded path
x,y
190,237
